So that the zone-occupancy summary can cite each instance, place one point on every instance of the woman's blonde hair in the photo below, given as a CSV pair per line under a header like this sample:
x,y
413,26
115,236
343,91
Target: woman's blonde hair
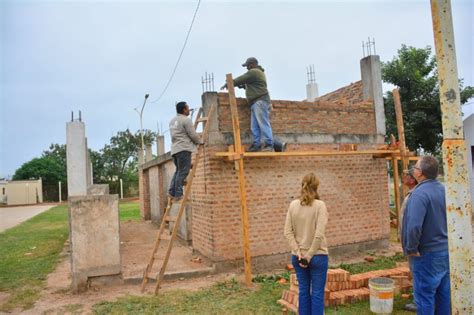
x,y
309,189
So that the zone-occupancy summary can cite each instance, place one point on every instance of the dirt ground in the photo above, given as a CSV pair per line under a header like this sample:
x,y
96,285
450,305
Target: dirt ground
x,y
137,239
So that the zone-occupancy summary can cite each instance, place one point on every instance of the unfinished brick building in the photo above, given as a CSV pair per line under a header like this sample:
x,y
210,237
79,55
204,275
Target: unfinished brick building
x,y
354,187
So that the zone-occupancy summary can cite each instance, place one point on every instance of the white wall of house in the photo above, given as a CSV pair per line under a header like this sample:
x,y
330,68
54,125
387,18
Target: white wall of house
x,y
24,192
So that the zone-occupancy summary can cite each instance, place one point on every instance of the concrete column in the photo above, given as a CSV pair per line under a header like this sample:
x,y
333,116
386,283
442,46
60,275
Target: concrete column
x,y
160,145
148,153
214,136
312,91
76,158
89,166
371,74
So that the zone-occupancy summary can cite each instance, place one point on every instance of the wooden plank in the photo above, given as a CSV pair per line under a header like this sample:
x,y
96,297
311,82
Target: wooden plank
x,y
396,191
307,153
149,266
242,188
401,135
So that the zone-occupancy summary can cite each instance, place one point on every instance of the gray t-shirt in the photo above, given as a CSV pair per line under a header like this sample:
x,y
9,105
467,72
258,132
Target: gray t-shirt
x,y
183,135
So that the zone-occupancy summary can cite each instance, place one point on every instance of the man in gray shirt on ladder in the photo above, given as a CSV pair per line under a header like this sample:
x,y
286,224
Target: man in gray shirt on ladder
x,y
184,140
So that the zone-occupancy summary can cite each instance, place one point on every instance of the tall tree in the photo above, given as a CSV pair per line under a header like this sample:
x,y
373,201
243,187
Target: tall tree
x,y
119,157
46,168
414,72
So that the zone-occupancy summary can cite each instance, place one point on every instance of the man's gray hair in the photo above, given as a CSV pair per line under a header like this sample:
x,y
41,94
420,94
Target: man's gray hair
x,y
429,167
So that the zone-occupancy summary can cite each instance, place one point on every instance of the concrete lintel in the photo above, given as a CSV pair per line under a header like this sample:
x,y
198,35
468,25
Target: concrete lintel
x,y
314,138
157,161
278,260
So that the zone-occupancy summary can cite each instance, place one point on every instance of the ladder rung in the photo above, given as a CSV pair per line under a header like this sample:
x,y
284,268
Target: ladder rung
x,y
202,119
170,218
151,278
165,237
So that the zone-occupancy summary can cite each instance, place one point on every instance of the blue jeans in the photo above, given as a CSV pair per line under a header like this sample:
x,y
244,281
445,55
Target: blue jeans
x,y
260,123
312,281
431,286
182,161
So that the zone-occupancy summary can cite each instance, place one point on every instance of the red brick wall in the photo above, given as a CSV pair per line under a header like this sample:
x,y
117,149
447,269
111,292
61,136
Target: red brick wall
x,y
340,112
353,187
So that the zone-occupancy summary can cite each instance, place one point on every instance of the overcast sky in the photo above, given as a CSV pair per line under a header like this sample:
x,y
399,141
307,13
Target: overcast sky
x,y
102,57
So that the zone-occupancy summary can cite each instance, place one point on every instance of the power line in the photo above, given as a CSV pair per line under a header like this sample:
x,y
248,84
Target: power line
x,y
180,55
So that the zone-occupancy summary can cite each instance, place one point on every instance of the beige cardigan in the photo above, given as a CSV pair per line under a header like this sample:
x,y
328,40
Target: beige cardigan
x,y
305,228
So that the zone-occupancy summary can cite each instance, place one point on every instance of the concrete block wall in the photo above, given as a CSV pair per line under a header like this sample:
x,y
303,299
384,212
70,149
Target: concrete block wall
x,y
95,238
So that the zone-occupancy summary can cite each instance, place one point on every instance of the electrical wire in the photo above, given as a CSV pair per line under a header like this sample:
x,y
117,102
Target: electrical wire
x,y
180,55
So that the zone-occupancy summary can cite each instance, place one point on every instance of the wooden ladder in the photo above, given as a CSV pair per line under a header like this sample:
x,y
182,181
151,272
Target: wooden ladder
x,y
164,233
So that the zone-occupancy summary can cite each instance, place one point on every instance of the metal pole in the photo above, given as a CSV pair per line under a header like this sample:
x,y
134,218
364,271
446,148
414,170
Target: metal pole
x,y
458,201
140,113
60,196
121,189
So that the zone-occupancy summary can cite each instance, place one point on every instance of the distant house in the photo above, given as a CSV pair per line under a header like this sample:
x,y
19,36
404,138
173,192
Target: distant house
x,y
22,192
468,122
3,191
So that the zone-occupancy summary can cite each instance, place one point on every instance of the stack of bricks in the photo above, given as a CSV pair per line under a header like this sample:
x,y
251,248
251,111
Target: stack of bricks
x,y
344,288
289,298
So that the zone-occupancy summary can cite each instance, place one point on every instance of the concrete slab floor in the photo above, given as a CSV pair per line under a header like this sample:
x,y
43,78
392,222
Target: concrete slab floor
x,y
137,241
12,216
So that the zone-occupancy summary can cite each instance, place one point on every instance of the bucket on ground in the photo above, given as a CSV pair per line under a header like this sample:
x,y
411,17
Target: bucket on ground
x,y
381,295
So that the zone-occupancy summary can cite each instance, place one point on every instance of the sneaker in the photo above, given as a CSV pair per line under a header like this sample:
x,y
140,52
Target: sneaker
x,y
411,307
283,147
253,148
268,148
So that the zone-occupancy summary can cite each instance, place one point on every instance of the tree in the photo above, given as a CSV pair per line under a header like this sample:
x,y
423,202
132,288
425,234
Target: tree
x,y
414,72
57,152
46,168
120,156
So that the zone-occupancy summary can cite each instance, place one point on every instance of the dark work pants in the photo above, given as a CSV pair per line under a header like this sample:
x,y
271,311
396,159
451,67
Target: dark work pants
x,y
182,161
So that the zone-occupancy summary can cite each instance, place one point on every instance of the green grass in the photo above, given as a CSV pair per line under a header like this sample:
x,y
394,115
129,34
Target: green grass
x,y
378,264
228,297
30,251
129,211
232,298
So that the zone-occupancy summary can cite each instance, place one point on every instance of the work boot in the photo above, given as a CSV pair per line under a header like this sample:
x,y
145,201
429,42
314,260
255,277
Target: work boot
x,y
268,148
253,148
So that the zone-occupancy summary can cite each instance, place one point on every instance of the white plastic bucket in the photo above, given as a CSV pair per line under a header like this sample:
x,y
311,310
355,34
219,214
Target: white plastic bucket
x,y
381,295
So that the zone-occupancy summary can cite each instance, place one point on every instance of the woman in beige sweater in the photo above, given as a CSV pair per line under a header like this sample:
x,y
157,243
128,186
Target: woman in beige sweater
x,y
305,230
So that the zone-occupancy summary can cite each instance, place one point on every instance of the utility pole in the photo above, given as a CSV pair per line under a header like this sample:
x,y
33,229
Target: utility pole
x,y
140,113
458,200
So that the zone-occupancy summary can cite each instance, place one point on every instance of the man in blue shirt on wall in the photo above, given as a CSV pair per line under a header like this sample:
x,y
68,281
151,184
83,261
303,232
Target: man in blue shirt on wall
x,y
425,240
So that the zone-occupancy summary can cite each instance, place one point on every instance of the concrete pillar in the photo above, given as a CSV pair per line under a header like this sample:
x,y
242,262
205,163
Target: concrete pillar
x,y
214,135
160,145
94,237
312,91
148,153
371,74
89,166
76,158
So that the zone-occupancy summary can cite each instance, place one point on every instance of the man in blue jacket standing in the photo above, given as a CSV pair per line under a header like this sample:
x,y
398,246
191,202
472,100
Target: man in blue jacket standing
x,y
425,240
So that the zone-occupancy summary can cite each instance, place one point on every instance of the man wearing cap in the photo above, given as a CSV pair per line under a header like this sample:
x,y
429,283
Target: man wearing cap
x,y
425,240
255,84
